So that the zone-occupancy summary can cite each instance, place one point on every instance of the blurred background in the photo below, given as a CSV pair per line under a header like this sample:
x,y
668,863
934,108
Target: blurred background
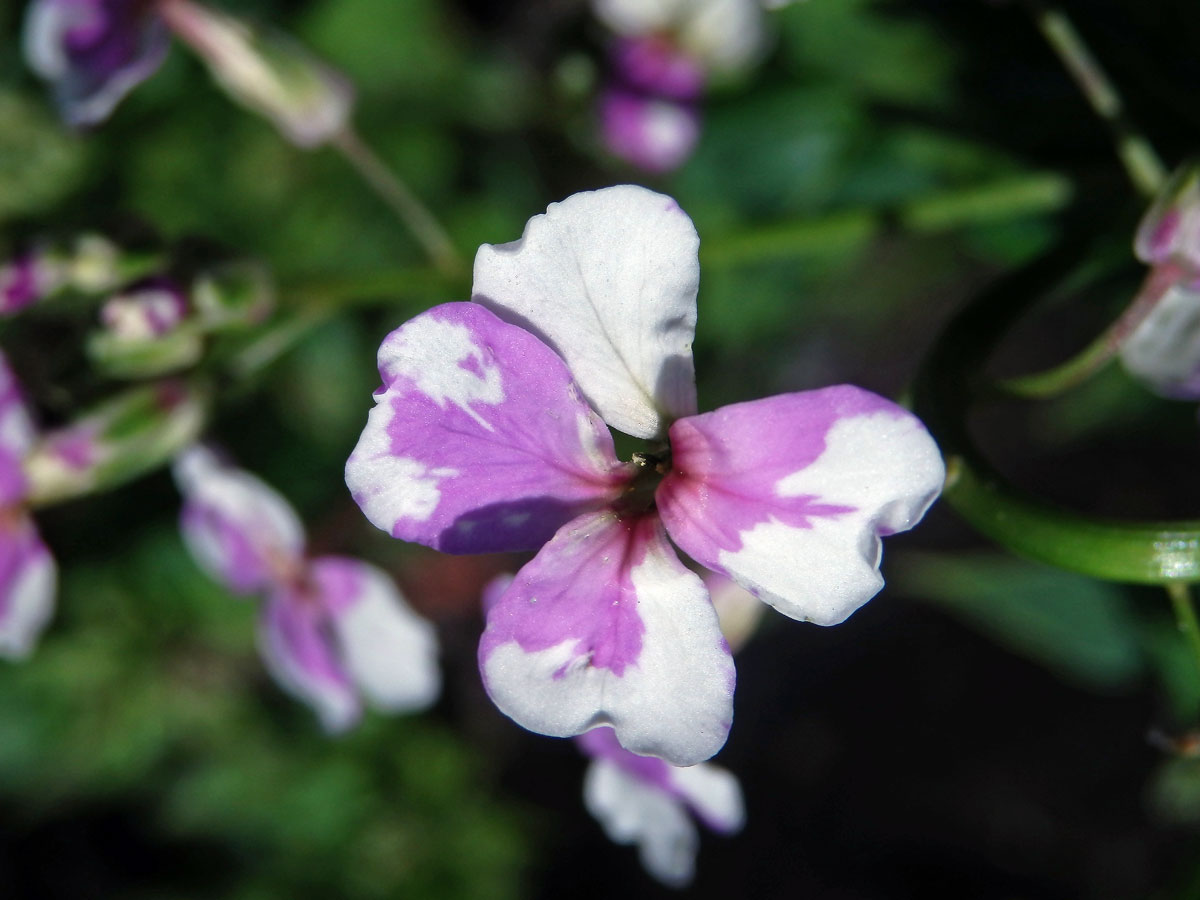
x,y
980,729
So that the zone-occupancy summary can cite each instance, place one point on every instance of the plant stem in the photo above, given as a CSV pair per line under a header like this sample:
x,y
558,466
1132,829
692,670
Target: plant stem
x,y
403,202
1185,615
1142,164
1100,352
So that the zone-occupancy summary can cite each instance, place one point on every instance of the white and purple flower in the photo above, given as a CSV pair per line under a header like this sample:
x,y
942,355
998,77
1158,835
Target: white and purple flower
x,y
1164,350
665,53
28,574
333,630
489,433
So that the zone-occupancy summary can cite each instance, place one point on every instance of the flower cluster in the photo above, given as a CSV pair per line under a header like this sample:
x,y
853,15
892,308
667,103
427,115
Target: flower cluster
x,y
489,433
333,630
662,59
1164,350
94,52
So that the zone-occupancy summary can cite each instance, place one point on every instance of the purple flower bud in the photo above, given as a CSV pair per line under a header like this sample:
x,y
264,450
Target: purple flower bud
x,y
28,279
145,311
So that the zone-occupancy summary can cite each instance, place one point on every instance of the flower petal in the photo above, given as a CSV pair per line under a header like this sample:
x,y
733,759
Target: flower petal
x,y
390,651
17,431
608,279
479,440
93,52
790,495
238,529
656,135
1164,350
631,812
712,793
606,626
28,579
298,650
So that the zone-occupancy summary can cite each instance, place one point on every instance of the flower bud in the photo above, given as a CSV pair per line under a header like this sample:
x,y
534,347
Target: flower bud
x,y
233,294
120,440
308,101
145,332
1171,227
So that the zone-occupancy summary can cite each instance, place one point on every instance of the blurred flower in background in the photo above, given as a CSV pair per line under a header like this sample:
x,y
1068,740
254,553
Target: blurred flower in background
x,y
333,631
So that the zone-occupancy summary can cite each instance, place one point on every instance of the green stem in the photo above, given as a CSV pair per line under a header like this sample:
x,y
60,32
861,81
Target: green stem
x,y
403,202
1143,165
951,379
1185,615
1001,200
1096,355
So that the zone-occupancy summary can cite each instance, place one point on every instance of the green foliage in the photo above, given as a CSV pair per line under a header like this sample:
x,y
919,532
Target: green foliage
x,y
1079,628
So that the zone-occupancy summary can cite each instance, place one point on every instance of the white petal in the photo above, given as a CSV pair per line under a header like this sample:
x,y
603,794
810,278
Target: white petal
x,y
1164,350
713,794
632,812
607,279
29,583
390,651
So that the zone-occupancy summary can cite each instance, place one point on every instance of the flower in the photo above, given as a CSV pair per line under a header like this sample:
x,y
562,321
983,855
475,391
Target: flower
x,y
28,574
489,434
643,800
664,54
94,52
333,630
1164,349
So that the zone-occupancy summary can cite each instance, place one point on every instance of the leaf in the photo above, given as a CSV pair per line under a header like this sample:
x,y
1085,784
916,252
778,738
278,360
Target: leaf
x,y
39,162
1081,629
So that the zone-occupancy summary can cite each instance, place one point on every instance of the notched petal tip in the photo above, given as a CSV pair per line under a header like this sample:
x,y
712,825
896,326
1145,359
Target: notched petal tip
x,y
606,627
608,280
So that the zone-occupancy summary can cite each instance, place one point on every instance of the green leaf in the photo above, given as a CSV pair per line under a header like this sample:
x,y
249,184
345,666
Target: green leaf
x,y
40,163
1079,628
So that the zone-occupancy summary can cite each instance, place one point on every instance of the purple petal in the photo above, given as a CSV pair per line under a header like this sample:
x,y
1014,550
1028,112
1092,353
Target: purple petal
x,y
606,626
28,579
479,440
389,651
28,279
237,528
298,648
652,133
93,52
790,495
608,279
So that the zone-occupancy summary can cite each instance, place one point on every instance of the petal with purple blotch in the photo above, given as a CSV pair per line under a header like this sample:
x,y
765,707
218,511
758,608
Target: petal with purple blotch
x,y
790,495
298,648
389,651
479,440
28,579
240,530
607,627
608,279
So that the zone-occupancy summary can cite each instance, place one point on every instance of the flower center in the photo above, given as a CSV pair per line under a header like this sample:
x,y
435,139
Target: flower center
x,y
649,470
